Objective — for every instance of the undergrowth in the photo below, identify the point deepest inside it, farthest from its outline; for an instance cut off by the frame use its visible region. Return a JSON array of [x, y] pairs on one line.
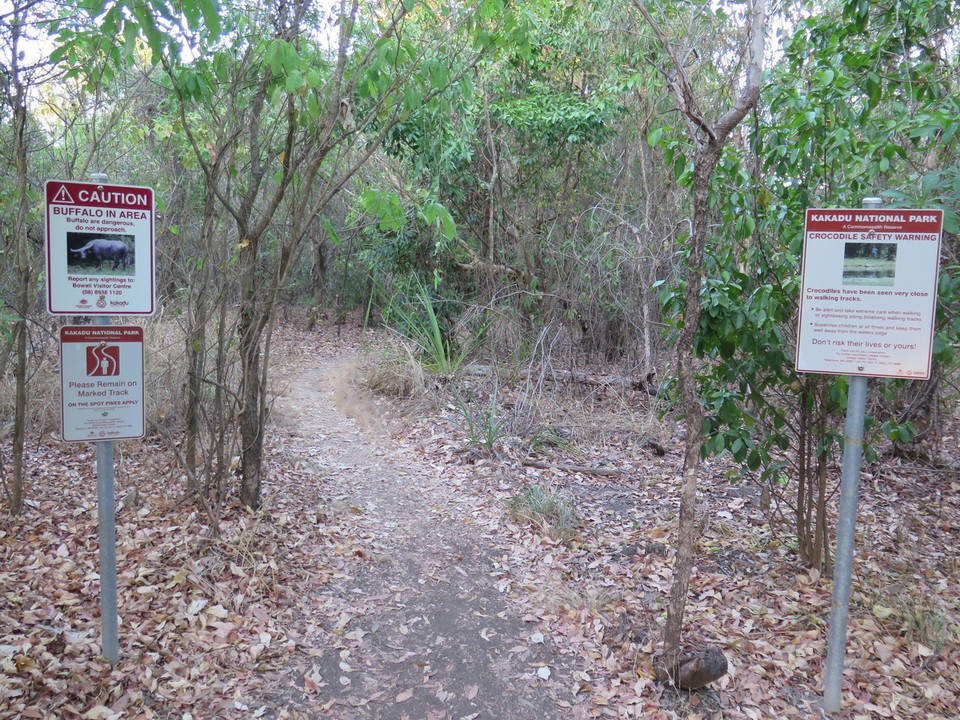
[[550, 510]]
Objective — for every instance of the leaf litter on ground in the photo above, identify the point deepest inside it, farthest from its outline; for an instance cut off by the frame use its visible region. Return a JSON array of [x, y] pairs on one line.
[[211, 626]]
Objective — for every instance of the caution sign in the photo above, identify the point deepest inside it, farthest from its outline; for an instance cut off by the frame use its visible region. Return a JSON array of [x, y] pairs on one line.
[[101, 380], [100, 249], [869, 292]]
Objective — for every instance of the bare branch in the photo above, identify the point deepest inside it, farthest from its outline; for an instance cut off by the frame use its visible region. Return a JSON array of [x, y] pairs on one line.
[[679, 83]]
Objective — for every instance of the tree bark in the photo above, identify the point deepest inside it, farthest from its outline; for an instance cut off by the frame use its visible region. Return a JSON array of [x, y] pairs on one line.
[[710, 139], [23, 268]]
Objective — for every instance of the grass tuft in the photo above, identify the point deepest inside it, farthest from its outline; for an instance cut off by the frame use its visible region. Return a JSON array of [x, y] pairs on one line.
[[550, 510]]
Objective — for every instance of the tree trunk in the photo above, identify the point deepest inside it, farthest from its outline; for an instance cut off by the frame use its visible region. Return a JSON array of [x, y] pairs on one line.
[[710, 139], [692, 410], [251, 428], [23, 273]]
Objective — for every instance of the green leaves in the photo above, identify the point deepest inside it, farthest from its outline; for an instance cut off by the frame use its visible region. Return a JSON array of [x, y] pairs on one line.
[[281, 57], [386, 207], [550, 116], [421, 324], [438, 216], [210, 10], [674, 148], [193, 83], [437, 73], [113, 31], [899, 432]]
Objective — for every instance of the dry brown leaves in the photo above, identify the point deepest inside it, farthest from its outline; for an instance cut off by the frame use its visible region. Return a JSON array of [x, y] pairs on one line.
[[602, 595], [206, 623], [209, 625]]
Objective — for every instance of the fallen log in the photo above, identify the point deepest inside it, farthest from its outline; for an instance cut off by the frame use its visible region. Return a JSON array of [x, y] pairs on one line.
[[566, 467], [626, 382]]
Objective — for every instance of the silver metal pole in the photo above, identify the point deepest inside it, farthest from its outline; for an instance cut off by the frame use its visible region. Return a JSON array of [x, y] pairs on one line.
[[106, 529], [846, 530], [106, 518]]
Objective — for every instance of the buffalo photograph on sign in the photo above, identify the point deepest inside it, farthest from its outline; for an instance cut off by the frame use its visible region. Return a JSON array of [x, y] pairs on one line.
[[96, 253]]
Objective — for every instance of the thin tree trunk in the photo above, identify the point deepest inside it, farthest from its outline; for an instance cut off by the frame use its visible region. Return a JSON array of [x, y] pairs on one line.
[[494, 178], [710, 139], [23, 273], [803, 467], [251, 429], [692, 409], [821, 541]]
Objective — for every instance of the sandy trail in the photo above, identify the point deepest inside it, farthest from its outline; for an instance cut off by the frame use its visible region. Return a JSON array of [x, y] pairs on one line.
[[414, 625]]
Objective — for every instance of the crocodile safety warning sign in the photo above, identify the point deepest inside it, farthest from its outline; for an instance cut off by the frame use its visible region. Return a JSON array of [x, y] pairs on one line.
[[869, 292]]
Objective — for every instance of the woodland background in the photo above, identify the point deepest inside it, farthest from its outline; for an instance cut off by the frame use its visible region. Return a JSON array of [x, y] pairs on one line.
[[510, 187]]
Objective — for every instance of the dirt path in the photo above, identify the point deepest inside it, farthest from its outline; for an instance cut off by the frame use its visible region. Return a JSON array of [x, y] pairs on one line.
[[413, 624]]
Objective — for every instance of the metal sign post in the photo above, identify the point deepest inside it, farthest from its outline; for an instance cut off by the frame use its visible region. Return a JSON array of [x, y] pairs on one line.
[[846, 529], [107, 532], [107, 529], [100, 262]]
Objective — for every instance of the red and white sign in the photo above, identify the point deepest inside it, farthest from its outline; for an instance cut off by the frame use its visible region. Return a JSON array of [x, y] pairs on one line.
[[869, 291], [101, 381], [100, 255]]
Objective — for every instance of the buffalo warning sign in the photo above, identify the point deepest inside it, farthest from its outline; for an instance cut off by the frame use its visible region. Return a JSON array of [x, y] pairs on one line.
[[100, 257]]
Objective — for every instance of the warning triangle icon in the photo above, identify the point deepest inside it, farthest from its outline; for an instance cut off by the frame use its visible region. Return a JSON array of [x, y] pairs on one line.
[[63, 196]]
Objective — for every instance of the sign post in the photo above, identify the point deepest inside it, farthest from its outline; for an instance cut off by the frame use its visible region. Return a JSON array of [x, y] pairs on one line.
[[868, 298], [100, 262]]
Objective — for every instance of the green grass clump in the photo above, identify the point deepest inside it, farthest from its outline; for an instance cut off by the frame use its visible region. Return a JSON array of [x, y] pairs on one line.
[[551, 511]]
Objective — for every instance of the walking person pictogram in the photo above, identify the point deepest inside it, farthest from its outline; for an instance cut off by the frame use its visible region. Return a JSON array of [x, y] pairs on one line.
[[103, 360]]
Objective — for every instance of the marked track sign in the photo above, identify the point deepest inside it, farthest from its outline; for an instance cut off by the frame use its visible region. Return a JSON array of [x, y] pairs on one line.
[[101, 382], [100, 254], [869, 292]]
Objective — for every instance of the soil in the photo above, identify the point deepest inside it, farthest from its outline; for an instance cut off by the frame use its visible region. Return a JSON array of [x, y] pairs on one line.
[[416, 625]]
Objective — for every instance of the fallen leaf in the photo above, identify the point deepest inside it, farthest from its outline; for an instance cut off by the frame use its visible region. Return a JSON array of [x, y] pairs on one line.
[[99, 712], [882, 613]]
